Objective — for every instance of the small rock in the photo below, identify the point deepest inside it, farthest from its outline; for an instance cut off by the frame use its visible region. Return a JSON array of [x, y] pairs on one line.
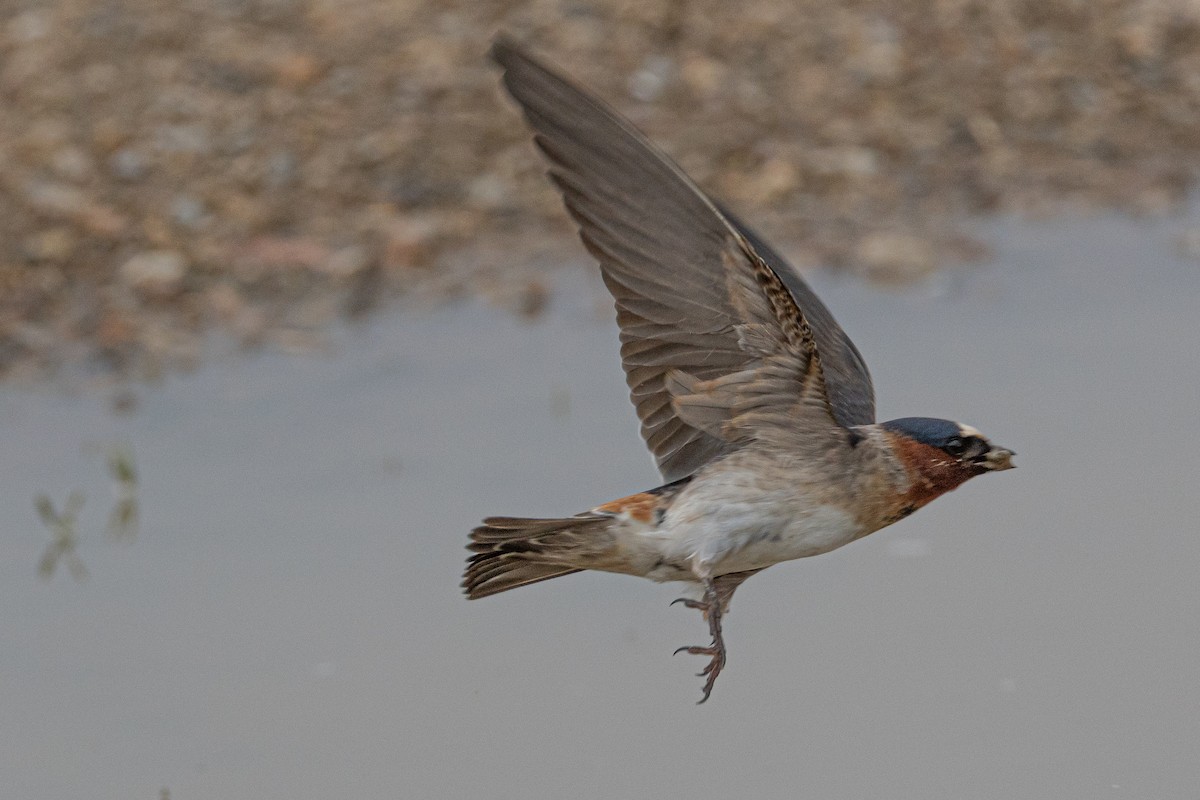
[[109, 133], [878, 55], [849, 161], [52, 244], [345, 262], [128, 165], [55, 199], [188, 211], [157, 273], [296, 70], [703, 75], [156, 230], [250, 326], [281, 252], [488, 191], [408, 240], [225, 301], [29, 26], [1141, 39], [774, 179], [115, 330], [648, 82], [72, 163], [38, 338], [185, 139], [243, 210], [281, 170], [896, 258]]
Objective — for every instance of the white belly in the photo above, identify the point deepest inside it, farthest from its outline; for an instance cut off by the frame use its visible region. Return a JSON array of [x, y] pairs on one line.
[[744, 528], [809, 533]]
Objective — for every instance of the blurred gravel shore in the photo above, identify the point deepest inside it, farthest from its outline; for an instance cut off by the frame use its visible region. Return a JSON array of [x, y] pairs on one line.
[[266, 167]]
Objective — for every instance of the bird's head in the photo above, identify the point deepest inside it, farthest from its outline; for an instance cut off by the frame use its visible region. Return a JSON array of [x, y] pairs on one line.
[[940, 455]]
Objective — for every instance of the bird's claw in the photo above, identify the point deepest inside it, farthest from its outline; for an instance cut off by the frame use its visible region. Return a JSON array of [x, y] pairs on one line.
[[712, 671], [718, 661], [695, 650], [711, 608]]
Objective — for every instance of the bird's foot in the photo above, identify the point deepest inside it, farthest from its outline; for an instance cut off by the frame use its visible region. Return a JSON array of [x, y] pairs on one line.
[[711, 608]]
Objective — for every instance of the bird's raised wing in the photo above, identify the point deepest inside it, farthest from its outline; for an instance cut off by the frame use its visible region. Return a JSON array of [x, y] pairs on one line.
[[721, 341]]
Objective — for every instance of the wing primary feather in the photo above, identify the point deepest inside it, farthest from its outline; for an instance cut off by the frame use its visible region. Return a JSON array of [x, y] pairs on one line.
[[718, 332]]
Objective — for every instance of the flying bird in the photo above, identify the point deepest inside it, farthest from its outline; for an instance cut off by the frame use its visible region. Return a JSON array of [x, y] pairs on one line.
[[756, 405]]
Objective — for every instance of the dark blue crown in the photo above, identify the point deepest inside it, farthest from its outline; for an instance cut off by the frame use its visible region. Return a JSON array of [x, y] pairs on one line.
[[926, 430]]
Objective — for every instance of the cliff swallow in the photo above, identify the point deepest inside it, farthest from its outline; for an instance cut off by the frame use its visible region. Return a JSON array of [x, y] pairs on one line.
[[756, 405]]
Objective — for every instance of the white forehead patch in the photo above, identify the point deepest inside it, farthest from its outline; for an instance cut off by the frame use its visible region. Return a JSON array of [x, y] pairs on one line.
[[967, 431]]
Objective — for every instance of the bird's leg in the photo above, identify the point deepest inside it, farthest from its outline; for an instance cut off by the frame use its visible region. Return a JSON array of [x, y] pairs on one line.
[[718, 593], [726, 585], [712, 608]]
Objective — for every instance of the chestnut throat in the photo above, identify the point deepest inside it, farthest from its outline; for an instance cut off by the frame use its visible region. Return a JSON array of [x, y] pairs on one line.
[[931, 472]]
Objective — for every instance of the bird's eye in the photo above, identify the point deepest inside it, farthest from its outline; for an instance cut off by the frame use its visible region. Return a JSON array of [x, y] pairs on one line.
[[955, 447]]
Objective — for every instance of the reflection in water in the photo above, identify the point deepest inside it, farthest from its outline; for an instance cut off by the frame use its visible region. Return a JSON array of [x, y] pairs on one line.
[[64, 539], [64, 524], [123, 520]]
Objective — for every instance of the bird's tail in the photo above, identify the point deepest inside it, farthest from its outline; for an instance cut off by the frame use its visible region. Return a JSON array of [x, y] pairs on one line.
[[511, 552]]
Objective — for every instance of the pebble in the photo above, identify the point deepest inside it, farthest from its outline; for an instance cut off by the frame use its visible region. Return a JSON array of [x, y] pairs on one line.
[[55, 199], [488, 191], [878, 55], [155, 273], [185, 139], [849, 161], [128, 165], [703, 76], [346, 262], [225, 301], [29, 26], [103, 221], [296, 70], [281, 170], [280, 252], [51, 244], [895, 257], [72, 163], [189, 211], [408, 240], [648, 82]]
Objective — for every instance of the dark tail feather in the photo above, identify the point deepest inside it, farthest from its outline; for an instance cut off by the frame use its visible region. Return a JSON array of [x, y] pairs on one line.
[[511, 552]]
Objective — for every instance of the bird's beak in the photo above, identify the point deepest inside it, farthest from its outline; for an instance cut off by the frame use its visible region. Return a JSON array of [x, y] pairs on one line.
[[997, 459]]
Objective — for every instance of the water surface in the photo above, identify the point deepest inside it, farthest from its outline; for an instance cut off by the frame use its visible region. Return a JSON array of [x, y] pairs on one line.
[[288, 621]]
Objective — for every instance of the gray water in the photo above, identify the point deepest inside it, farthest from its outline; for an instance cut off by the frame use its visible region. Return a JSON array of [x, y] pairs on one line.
[[288, 623]]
